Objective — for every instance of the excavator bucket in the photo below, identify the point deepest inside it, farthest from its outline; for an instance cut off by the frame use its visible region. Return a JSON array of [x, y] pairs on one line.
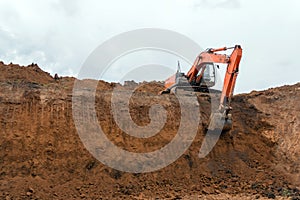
[[219, 122]]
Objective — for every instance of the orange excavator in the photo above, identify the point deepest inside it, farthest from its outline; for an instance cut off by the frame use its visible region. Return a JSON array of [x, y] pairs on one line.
[[201, 77]]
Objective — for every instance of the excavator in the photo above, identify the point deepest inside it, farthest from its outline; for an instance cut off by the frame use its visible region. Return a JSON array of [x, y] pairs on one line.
[[201, 77]]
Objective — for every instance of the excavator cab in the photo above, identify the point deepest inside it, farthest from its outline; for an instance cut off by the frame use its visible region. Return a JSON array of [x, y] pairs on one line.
[[209, 75], [205, 78]]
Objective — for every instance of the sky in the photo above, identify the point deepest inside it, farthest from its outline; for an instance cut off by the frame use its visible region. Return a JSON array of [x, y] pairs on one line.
[[60, 35]]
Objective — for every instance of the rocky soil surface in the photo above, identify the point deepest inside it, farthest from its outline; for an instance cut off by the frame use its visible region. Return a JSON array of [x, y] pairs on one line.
[[42, 156]]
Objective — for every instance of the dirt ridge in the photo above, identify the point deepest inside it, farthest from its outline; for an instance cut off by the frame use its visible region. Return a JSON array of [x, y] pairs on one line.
[[42, 156]]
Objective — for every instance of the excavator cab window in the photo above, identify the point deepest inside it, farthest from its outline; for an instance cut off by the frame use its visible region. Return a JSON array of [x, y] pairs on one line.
[[209, 75]]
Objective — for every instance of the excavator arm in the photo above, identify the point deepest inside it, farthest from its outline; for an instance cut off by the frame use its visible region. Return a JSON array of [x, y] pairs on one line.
[[222, 118], [230, 76]]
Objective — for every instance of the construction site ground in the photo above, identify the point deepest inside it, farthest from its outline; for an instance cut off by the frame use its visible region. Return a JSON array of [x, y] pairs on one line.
[[42, 156]]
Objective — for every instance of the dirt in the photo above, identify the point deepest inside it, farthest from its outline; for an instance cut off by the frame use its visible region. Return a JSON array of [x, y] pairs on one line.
[[42, 156]]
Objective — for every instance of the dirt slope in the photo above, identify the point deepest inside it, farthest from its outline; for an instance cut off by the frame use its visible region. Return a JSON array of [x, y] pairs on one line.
[[42, 156]]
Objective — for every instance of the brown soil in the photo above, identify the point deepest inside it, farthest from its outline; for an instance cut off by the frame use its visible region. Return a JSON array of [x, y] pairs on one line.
[[42, 156]]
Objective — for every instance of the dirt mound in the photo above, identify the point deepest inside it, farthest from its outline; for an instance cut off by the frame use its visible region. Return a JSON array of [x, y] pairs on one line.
[[31, 73], [43, 157]]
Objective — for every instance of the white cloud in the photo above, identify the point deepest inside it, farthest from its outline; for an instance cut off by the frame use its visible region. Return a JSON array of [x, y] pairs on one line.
[[59, 35], [217, 3]]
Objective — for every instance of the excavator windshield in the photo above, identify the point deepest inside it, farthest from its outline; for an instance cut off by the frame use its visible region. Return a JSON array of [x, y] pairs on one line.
[[208, 74]]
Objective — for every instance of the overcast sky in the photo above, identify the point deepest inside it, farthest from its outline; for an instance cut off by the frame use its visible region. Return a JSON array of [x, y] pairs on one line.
[[59, 35]]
